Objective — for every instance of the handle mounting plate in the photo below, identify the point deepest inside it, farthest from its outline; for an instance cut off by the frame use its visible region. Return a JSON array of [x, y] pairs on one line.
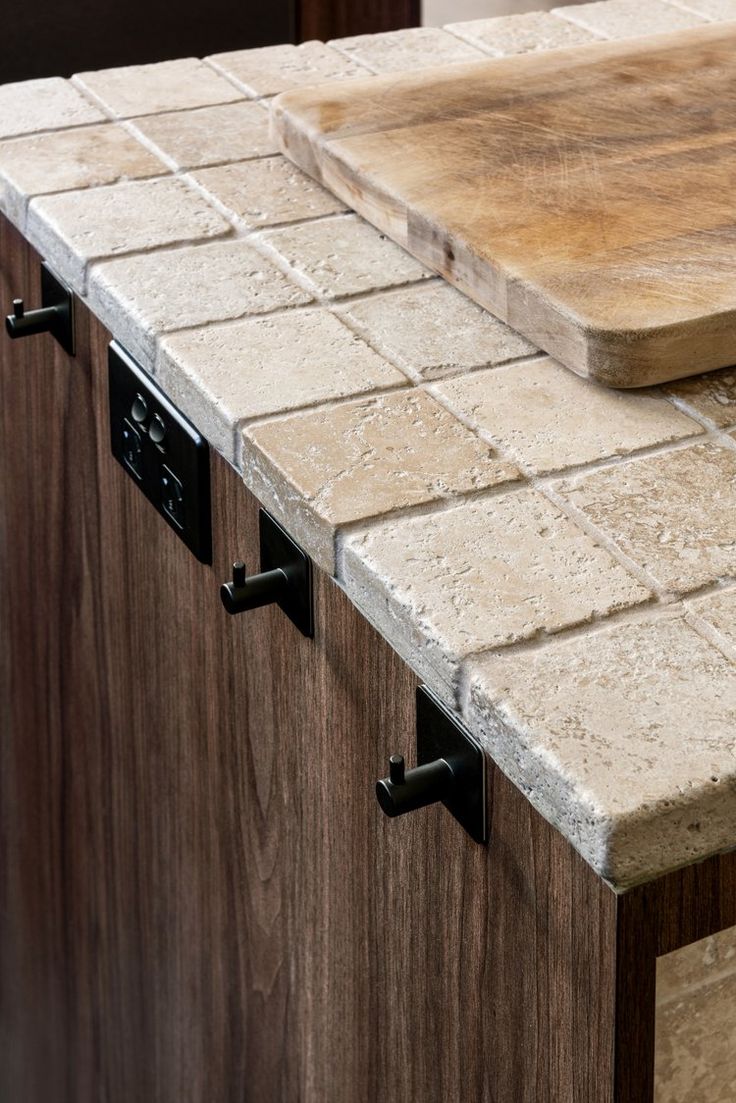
[[278, 550], [441, 735]]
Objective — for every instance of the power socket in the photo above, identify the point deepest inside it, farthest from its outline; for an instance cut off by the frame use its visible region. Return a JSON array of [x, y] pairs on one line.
[[161, 451]]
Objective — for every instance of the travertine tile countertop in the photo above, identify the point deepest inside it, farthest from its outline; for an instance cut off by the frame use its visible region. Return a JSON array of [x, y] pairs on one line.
[[556, 559]]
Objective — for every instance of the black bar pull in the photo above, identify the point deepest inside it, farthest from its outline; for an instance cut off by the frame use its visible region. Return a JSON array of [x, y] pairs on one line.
[[245, 593], [54, 316]]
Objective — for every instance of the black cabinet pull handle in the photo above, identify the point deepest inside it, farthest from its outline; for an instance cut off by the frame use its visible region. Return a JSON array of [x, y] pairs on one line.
[[245, 593], [285, 578], [406, 790], [451, 768], [54, 316]]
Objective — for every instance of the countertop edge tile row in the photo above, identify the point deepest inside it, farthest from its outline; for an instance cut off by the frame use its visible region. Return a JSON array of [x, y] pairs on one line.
[[569, 589]]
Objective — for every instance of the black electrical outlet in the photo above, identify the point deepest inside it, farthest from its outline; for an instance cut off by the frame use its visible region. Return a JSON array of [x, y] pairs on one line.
[[161, 451]]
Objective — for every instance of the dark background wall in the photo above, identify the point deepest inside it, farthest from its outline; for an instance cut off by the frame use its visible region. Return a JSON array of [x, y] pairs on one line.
[[42, 38]]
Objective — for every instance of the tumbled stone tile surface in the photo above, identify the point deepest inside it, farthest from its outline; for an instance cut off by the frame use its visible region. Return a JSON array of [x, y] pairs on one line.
[[482, 575], [549, 418], [719, 611], [226, 374], [712, 395], [696, 964], [522, 34], [84, 157], [139, 297], [162, 86], [623, 738], [321, 470], [210, 135], [431, 329], [695, 1056], [629, 18], [344, 256], [672, 513], [397, 51], [267, 192], [76, 227], [710, 9], [46, 104], [268, 70]]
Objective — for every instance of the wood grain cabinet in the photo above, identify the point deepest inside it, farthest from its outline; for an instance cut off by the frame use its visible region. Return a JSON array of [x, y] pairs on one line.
[[200, 899]]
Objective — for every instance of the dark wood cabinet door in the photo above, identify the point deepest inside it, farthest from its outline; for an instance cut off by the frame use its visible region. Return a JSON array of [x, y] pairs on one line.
[[200, 899]]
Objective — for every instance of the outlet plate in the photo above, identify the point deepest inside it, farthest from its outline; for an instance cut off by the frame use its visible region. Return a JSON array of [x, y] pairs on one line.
[[161, 451]]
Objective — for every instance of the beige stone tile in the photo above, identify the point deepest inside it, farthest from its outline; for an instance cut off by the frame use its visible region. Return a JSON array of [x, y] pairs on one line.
[[719, 611], [267, 192], [672, 513], [712, 395], [324, 469], [695, 1055], [223, 375], [344, 256], [47, 104], [74, 228], [84, 157], [716, 10], [162, 86], [621, 737], [481, 575], [431, 329], [693, 966], [548, 418], [269, 70], [521, 34], [210, 135], [141, 297], [629, 18], [397, 51]]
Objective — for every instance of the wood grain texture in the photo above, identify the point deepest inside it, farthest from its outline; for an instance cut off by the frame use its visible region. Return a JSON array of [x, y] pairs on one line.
[[200, 899], [325, 19], [582, 195]]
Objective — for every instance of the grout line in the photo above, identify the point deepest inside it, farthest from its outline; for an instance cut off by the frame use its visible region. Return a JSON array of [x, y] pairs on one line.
[[679, 6], [568, 17]]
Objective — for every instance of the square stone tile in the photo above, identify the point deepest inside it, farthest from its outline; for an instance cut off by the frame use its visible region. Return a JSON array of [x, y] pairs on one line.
[[72, 229], [138, 298], [672, 513], [320, 470], [398, 51], [629, 18], [484, 574], [267, 192], [223, 375], [548, 418], [210, 135], [344, 256], [521, 34], [695, 1058], [162, 86], [84, 157], [716, 10], [431, 330], [48, 104], [622, 738], [712, 395], [268, 70], [719, 611], [696, 964]]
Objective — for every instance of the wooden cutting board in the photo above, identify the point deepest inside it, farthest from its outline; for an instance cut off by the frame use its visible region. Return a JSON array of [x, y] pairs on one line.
[[586, 196]]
